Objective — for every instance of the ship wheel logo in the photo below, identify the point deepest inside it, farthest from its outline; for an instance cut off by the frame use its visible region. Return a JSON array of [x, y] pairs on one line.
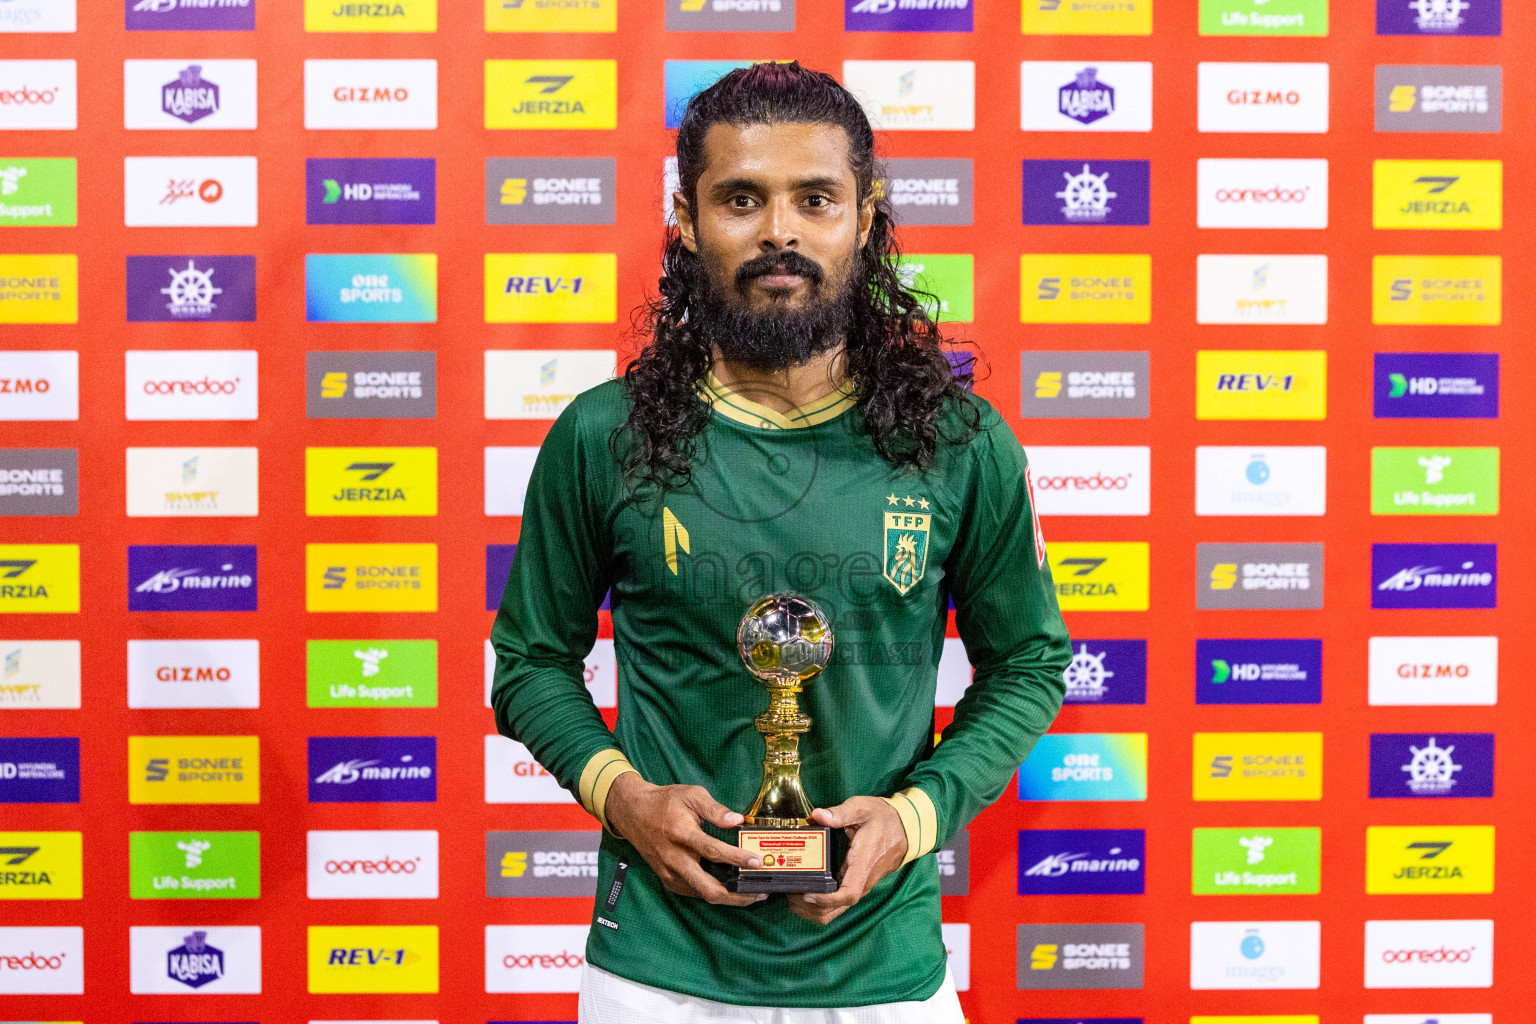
[[1085, 674], [1086, 195], [1431, 770], [191, 291]]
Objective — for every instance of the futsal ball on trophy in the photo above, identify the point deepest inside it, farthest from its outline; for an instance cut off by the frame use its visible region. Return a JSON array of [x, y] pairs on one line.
[[784, 638]]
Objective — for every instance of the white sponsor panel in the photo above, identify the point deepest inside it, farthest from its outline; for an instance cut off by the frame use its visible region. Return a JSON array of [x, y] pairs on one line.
[[39, 385], [534, 957], [512, 776], [1261, 289], [954, 673], [506, 479], [192, 481], [1429, 954], [957, 941], [1434, 671], [38, 95], [194, 673], [377, 865], [1269, 97], [1261, 193], [381, 94], [1085, 480], [42, 961], [37, 16], [189, 191], [194, 959], [1099, 96], [537, 384], [1258, 480], [373, 1022], [178, 95], [39, 674], [208, 384], [600, 671], [1429, 1018], [1254, 954], [914, 95]]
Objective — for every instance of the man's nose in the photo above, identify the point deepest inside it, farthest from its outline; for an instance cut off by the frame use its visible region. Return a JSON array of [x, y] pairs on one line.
[[780, 228]]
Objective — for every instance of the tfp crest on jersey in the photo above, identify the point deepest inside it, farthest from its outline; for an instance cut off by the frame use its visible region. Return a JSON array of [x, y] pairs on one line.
[[906, 543]]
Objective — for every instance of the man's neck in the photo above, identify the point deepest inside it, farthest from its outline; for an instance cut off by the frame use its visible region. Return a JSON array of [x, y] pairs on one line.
[[785, 391]]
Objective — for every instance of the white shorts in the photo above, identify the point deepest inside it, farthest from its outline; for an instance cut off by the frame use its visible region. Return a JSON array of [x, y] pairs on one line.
[[609, 999]]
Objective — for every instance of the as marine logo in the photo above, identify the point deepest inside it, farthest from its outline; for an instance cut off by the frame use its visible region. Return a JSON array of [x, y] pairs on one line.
[[906, 541]]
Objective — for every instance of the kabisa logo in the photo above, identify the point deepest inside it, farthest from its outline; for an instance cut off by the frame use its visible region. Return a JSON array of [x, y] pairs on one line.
[[1258, 766], [190, 15], [1434, 575], [1264, 18], [42, 961], [1455, 859], [1085, 98], [927, 191], [541, 863], [1233, 576], [201, 960], [366, 16], [371, 288], [373, 958], [1063, 956], [1440, 385], [1434, 671], [551, 94], [370, 94], [39, 482], [39, 578], [1446, 195], [1256, 861], [905, 15], [194, 578], [1063, 288], [1087, 192], [1434, 766], [1104, 96], [920, 95], [41, 866], [41, 289], [41, 191], [400, 190], [1258, 671], [194, 865], [1085, 385], [372, 673], [370, 385], [1435, 481], [191, 289], [1107, 672], [195, 962], [549, 190], [191, 97], [1449, 290], [43, 770], [1108, 576], [1439, 17], [1086, 766], [373, 865], [372, 769], [1082, 861], [731, 15], [574, 287], [194, 770], [370, 481], [1439, 98], [1254, 954], [1429, 954]]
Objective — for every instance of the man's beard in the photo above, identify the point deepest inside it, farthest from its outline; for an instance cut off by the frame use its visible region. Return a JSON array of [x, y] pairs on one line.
[[778, 336]]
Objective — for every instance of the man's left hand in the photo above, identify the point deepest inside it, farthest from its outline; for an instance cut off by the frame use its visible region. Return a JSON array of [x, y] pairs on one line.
[[877, 845]]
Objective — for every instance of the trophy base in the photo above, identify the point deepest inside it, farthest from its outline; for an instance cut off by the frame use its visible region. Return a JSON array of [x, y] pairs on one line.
[[794, 860]]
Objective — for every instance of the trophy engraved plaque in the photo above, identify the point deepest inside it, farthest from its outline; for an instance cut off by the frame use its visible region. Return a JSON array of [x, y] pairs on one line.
[[785, 641]]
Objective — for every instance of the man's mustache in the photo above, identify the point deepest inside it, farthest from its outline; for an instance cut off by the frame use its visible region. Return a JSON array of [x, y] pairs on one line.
[[787, 261]]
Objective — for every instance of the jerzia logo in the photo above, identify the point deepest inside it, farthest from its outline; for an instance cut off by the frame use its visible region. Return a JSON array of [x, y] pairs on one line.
[[551, 94], [1429, 859]]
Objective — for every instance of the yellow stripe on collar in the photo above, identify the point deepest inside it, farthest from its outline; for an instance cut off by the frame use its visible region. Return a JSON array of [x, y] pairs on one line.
[[733, 405]]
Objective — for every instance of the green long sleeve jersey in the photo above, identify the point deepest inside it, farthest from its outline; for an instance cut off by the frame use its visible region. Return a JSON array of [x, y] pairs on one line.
[[775, 503]]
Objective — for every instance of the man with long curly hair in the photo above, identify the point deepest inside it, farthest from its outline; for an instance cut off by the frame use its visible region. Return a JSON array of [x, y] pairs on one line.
[[793, 423]]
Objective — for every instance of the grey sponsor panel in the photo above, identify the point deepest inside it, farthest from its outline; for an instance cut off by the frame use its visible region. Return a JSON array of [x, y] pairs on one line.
[[928, 191], [39, 482], [370, 385], [541, 863], [1439, 98], [955, 865], [549, 190], [1085, 385], [1236, 576], [1057, 956], [730, 15]]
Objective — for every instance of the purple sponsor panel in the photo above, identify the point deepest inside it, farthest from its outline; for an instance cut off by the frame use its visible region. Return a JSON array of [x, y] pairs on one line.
[[189, 15], [1437, 385], [192, 577], [498, 566], [1431, 765], [1107, 672], [1087, 192], [1079, 862], [907, 16], [372, 769], [191, 289], [1439, 17], [1434, 575], [39, 770], [370, 191], [1258, 671]]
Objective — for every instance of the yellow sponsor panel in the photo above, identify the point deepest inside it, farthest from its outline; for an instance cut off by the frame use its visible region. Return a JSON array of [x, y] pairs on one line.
[[551, 94], [1429, 859], [1066, 288], [1256, 384], [1438, 194], [1449, 290], [1258, 766], [40, 289], [1101, 577], [360, 16], [1087, 18], [551, 287], [370, 577], [370, 481], [194, 770], [39, 578], [372, 958], [41, 866], [551, 15]]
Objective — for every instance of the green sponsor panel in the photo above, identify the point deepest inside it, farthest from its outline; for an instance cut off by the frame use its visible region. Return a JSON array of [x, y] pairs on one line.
[[1264, 17], [952, 278], [194, 865], [1434, 481], [372, 673], [37, 192], [1257, 861]]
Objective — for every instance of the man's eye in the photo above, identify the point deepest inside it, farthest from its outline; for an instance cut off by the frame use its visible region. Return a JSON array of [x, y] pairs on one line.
[[741, 202], [818, 200]]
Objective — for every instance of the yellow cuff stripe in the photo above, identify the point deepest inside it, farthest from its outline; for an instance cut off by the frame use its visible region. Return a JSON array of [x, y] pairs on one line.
[[919, 818], [597, 778]]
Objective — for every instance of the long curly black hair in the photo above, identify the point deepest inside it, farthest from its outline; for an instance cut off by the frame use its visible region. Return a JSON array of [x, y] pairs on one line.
[[895, 355]]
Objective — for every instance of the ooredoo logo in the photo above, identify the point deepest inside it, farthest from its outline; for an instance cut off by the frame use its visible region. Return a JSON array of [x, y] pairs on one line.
[[41, 961], [1429, 954], [191, 385], [534, 958], [373, 865], [1091, 481], [1262, 193], [37, 94]]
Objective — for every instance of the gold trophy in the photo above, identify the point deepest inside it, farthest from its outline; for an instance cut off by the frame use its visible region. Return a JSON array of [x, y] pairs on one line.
[[785, 641]]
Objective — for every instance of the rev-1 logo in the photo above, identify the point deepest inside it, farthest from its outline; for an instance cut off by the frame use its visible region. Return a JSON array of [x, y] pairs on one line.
[[536, 285]]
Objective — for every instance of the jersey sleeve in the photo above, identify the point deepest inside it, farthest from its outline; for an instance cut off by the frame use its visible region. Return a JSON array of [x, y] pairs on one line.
[[1006, 613], [547, 621]]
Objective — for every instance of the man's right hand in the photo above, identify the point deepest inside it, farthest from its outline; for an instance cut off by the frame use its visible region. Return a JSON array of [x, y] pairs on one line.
[[662, 822]]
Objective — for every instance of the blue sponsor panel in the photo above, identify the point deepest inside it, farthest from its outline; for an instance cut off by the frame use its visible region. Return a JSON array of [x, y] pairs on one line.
[[1434, 575], [191, 289], [192, 577], [1086, 766], [1439, 17], [498, 566], [1107, 672], [39, 770], [1437, 385], [682, 80], [1082, 861], [370, 191], [906, 16], [1258, 671], [372, 769], [1431, 765], [1079, 1020], [1087, 192]]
